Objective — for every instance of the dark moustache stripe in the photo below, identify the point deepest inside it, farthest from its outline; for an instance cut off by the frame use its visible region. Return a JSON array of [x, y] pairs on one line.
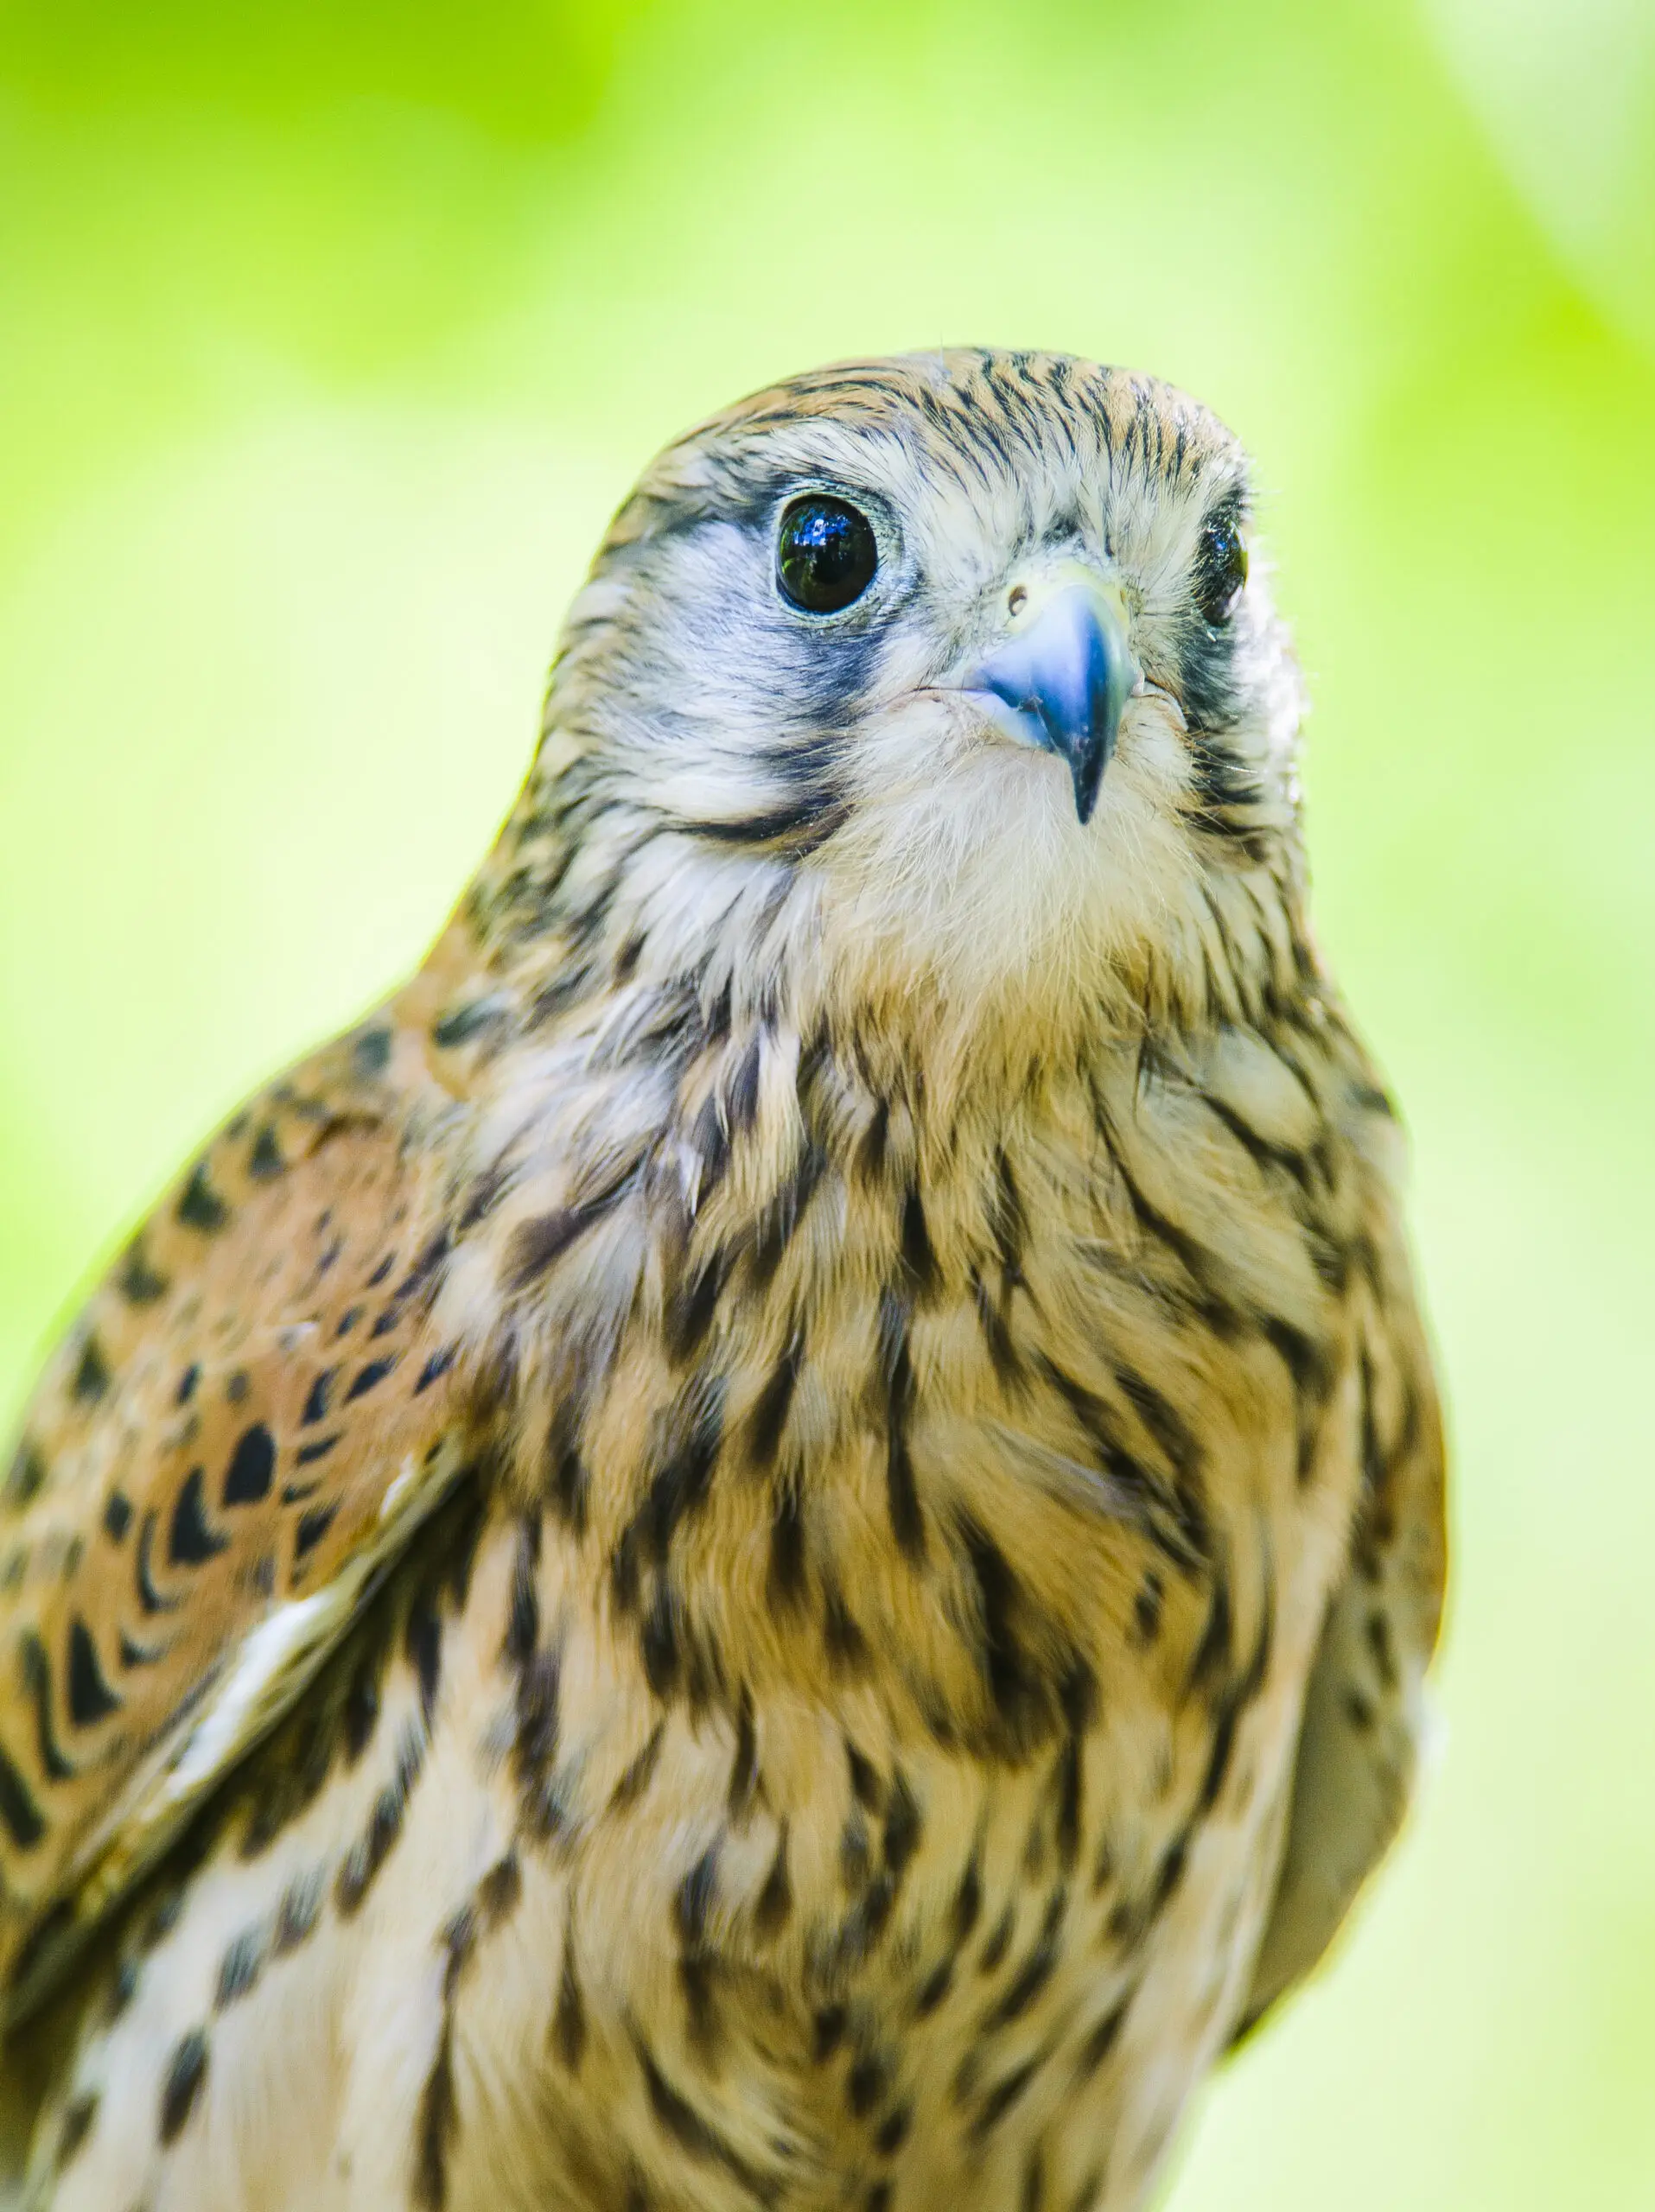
[[803, 827]]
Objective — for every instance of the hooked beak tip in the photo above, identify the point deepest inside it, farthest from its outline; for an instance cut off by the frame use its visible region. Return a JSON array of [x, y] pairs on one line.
[[1062, 684]]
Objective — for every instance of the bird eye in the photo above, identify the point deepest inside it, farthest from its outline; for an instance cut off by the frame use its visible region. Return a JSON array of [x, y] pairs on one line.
[[826, 554], [1220, 568]]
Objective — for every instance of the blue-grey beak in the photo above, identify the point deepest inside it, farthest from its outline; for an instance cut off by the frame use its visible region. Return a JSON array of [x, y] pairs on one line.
[[1060, 682]]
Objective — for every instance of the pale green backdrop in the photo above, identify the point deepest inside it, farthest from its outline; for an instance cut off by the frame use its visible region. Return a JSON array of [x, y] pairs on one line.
[[329, 335]]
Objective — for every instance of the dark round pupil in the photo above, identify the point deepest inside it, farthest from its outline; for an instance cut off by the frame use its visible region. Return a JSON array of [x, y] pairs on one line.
[[826, 553], [1221, 570]]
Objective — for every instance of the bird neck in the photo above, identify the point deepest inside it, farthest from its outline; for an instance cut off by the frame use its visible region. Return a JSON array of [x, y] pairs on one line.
[[592, 921]]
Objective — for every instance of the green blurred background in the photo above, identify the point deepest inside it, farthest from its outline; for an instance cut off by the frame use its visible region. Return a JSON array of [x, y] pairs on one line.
[[330, 335]]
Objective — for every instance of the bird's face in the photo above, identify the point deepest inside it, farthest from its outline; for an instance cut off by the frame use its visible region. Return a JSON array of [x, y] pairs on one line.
[[968, 649]]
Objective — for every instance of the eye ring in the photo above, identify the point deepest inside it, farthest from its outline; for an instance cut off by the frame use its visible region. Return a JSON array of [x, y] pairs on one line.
[[826, 553], [1220, 569]]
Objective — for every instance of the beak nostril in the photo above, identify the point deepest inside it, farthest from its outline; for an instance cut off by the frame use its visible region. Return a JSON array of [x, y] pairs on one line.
[[1018, 601]]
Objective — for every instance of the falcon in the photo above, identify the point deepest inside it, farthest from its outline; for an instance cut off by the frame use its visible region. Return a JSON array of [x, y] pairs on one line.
[[773, 1542]]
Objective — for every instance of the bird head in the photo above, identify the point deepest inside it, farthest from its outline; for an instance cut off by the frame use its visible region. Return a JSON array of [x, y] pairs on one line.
[[936, 679]]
